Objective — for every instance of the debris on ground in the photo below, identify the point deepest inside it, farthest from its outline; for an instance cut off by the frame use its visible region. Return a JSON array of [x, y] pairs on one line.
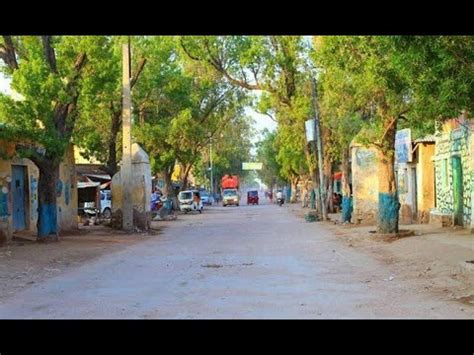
[[214, 266], [170, 217], [311, 217]]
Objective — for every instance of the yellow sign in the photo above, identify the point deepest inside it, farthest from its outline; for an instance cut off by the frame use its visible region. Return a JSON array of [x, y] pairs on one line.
[[252, 166]]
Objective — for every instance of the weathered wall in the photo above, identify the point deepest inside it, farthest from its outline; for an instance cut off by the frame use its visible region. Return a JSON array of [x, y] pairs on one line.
[[66, 191], [7, 150], [453, 141], [415, 205], [141, 191], [425, 181], [365, 184], [406, 192], [472, 181]]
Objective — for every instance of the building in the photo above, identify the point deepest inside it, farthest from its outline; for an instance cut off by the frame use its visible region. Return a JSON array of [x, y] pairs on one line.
[[414, 171], [454, 169], [416, 183], [19, 193], [365, 183]]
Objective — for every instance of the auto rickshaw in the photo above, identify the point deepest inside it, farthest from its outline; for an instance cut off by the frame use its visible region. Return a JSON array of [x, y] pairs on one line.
[[190, 200], [252, 197]]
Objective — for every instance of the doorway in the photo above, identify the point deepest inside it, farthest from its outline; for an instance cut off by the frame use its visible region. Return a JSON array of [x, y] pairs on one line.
[[19, 192], [458, 207], [414, 195]]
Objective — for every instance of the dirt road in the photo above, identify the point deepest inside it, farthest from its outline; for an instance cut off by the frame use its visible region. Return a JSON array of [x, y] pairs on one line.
[[233, 262]]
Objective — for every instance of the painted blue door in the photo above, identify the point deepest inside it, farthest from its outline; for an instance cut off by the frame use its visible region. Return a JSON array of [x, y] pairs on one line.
[[18, 190]]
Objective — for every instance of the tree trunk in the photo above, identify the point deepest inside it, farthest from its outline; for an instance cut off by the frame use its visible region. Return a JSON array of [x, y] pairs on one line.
[[47, 225], [294, 187], [328, 181], [388, 195], [184, 178], [169, 191], [112, 164], [346, 189]]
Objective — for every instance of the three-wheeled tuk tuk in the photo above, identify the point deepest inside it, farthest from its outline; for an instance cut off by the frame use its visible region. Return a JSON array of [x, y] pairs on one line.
[[252, 197]]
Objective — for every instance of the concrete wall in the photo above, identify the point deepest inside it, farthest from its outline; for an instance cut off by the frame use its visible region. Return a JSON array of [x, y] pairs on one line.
[[141, 191], [6, 197], [472, 181], [365, 184], [454, 140], [406, 192], [66, 192], [425, 181], [416, 201]]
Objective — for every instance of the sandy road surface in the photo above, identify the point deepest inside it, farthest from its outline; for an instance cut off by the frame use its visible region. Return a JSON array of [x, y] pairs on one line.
[[233, 262]]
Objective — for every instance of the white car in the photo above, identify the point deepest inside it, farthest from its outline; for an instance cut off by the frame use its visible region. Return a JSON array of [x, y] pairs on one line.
[[206, 198], [230, 197], [105, 205]]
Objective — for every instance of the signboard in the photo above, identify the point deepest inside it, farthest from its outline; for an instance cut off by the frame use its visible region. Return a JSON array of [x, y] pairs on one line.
[[252, 166], [310, 128], [403, 152]]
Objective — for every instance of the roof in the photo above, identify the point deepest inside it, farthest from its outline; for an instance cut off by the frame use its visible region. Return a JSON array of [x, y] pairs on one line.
[[97, 176], [89, 169], [431, 138], [83, 185]]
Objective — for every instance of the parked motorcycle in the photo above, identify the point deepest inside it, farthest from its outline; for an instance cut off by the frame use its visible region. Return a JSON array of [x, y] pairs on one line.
[[156, 205]]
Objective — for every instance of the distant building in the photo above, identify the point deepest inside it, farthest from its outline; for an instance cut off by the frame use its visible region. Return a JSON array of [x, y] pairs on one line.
[[454, 164]]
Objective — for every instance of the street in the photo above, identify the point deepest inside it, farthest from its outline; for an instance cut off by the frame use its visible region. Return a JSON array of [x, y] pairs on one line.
[[233, 262]]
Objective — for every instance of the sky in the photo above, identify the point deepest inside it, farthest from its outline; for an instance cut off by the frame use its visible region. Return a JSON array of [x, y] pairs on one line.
[[4, 85]]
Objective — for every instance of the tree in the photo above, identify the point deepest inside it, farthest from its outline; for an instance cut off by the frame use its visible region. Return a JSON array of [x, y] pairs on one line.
[[368, 67], [275, 65], [393, 81], [440, 70], [230, 148], [181, 106], [98, 127], [340, 116], [267, 153], [48, 73]]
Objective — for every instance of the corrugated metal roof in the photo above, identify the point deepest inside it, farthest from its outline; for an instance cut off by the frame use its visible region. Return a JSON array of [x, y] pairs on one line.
[[83, 185], [426, 139]]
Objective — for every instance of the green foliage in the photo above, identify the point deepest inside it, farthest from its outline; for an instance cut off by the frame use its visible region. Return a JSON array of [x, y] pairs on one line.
[[413, 80], [43, 89], [267, 154], [275, 65]]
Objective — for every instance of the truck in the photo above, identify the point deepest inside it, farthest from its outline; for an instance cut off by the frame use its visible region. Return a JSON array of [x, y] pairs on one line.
[[230, 190]]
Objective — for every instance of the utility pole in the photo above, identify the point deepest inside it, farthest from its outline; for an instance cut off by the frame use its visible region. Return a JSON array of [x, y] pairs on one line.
[[126, 170], [322, 192], [210, 160]]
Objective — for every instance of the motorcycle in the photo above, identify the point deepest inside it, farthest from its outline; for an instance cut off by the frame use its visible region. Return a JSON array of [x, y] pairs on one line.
[[156, 205], [280, 201]]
